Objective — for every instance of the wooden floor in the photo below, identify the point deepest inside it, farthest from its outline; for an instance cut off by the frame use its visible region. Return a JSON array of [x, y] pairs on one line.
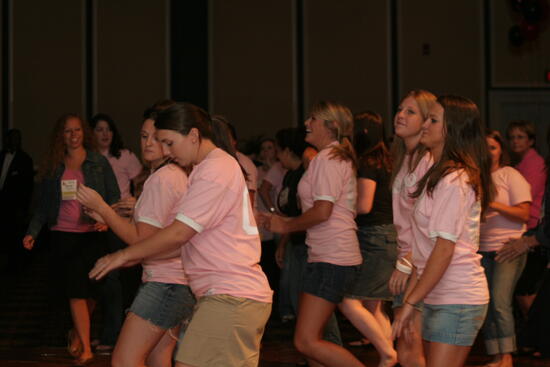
[[33, 325]]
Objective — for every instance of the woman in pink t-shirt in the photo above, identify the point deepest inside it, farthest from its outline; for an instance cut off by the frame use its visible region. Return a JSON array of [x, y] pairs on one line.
[[328, 191], [75, 243], [505, 221], [411, 161], [451, 197], [221, 247], [164, 299]]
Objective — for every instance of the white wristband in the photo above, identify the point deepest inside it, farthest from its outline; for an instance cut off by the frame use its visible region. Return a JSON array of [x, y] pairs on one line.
[[403, 268]]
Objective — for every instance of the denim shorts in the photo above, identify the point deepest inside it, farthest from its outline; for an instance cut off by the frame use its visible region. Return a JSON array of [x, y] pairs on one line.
[[379, 251], [328, 281], [452, 324], [165, 305], [398, 302]]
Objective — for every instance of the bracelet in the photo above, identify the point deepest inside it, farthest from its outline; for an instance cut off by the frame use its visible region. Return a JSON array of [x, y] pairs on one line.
[[411, 304], [407, 269]]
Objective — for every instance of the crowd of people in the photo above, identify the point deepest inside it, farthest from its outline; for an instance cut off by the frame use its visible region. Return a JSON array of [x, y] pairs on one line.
[[443, 224]]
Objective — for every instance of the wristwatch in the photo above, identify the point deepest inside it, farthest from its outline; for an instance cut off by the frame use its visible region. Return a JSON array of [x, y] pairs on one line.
[[272, 210]]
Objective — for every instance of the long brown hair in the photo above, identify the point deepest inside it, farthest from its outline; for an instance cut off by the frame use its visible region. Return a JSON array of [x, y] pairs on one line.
[[57, 149], [425, 101], [464, 148], [368, 141], [339, 121]]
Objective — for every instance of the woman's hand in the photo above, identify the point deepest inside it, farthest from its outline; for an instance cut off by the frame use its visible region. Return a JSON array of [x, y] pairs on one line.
[[28, 242], [109, 263], [402, 323], [125, 207], [398, 282], [101, 227], [89, 198], [514, 248]]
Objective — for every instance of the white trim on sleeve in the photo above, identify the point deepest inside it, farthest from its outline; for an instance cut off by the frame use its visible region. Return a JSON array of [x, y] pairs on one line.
[[152, 222], [325, 198], [190, 222], [444, 235]]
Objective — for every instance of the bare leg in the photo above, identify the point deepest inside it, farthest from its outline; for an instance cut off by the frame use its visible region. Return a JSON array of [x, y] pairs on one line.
[[525, 303], [161, 355], [312, 317], [376, 309], [365, 322], [410, 352], [81, 320], [447, 355], [137, 339]]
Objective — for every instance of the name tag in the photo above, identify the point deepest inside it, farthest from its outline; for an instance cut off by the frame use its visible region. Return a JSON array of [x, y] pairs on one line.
[[68, 189]]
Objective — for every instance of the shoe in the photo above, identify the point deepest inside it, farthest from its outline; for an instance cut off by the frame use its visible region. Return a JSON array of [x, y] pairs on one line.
[[359, 343], [104, 349], [79, 362], [74, 349]]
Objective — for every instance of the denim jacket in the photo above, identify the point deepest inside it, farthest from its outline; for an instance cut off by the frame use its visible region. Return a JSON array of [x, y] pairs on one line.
[[98, 175]]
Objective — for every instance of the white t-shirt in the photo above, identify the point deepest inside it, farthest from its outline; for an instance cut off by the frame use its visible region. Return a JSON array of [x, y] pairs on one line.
[[512, 189]]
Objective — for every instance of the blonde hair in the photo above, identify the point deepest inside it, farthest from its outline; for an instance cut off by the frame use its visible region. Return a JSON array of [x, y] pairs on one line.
[[425, 100], [338, 119]]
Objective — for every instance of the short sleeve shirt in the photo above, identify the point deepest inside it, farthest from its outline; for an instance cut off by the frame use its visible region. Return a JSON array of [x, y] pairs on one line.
[[333, 241], [126, 168], [156, 207], [452, 213], [223, 256]]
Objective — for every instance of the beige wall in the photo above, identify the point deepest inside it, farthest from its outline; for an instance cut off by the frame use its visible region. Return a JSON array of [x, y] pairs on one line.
[[132, 63], [48, 66], [513, 66], [251, 64], [454, 32], [346, 53]]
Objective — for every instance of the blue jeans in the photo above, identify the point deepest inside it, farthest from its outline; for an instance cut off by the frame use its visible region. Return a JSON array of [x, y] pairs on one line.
[[498, 330], [297, 266]]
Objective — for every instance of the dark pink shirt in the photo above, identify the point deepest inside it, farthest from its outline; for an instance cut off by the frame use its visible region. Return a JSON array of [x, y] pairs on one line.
[[533, 169]]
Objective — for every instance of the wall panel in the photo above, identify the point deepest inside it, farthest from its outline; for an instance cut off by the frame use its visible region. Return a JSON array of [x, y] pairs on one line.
[[347, 53], [252, 64], [132, 61], [48, 61]]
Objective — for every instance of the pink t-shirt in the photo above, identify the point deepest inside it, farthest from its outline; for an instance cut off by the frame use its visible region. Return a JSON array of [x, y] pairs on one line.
[[512, 189], [223, 257], [333, 241], [250, 168], [126, 168], [452, 213], [404, 185], [156, 206], [71, 217], [532, 167]]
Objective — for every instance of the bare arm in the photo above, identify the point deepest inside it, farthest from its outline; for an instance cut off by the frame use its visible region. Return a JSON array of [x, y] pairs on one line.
[[318, 213], [437, 264], [163, 241], [517, 213], [366, 188], [264, 191]]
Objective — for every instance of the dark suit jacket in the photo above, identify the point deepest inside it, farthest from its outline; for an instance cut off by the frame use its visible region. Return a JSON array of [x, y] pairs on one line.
[[15, 195]]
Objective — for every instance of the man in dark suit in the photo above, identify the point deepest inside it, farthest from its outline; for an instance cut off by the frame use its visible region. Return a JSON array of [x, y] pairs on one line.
[[16, 185]]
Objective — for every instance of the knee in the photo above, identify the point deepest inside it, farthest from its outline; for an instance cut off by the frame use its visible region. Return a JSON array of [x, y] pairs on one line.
[[303, 344]]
